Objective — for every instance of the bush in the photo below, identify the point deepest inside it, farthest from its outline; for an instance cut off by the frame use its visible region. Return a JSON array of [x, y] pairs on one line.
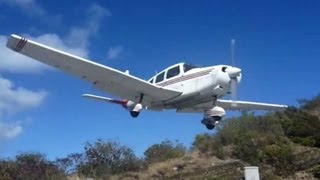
[[279, 156], [203, 142], [301, 127], [30, 166], [316, 172], [104, 158], [310, 105], [164, 151]]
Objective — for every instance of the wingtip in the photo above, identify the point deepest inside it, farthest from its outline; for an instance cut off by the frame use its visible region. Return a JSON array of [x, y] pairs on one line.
[[12, 41], [15, 36], [86, 95]]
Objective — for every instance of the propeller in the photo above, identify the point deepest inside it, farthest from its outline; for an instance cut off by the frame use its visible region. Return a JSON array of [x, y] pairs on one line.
[[234, 73], [233, 42]]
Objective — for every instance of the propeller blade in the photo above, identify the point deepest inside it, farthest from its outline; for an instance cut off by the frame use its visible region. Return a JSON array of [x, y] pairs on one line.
[[233, 42], [234, 91]]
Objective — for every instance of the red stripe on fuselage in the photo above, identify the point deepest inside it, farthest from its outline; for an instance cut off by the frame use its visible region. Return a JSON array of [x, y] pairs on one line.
[[185, 78]]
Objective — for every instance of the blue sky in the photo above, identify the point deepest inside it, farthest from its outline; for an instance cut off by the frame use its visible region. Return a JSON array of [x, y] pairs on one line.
[[41, 109]]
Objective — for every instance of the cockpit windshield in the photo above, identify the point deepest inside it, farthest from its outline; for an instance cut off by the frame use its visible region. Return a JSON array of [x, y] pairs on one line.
[[188, 67]]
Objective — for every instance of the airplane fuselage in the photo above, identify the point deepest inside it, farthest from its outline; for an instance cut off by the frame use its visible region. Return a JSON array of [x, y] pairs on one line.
[[197, 84]]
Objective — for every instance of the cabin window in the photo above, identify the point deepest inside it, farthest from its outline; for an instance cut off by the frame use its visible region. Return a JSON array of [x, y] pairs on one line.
[[160, 77], [188, 67], [151, 81], [173, 72]]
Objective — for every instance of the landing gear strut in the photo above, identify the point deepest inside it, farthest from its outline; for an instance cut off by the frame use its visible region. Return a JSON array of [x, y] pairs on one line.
[[136, 108]]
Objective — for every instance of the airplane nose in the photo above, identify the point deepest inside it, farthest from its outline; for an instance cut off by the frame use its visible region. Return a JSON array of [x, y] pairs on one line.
[[233, 72]]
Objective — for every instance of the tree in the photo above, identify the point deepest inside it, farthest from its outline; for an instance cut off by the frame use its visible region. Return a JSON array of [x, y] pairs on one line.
[[104, 158], [164, 151], [301, 127], [30, 166]]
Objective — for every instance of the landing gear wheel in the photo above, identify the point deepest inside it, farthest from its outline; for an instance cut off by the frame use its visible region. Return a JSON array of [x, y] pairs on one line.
[[216, 118], [210, 126], [134, 114]]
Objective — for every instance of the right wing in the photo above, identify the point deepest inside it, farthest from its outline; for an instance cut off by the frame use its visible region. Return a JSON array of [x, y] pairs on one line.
[[247, 105], [234, 105], [110, 80]]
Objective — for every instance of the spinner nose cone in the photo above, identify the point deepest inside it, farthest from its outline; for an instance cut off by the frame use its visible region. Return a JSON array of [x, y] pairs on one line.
[[233, 72]]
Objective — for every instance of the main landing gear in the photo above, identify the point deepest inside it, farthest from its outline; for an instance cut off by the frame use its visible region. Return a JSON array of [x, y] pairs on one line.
[[135, 109], [134, 114]]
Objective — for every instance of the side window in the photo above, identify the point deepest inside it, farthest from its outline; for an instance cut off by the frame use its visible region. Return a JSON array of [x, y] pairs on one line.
[[151, 81], [188, 67], [160, 77], [173, 72]]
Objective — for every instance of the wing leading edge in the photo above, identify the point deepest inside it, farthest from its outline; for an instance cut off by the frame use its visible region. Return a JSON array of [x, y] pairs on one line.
[[110, 80]]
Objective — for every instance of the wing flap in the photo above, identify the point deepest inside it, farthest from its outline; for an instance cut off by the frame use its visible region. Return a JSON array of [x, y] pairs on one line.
[[103, 77]]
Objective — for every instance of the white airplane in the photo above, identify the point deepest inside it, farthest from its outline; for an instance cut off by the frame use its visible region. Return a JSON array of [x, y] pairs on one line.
[[183, 87]]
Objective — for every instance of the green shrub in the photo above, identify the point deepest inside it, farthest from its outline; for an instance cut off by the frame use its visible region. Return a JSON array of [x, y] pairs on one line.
[[30, 166], [203, 142], [301, 127], [316, 172], [164, 151], [279, 156]]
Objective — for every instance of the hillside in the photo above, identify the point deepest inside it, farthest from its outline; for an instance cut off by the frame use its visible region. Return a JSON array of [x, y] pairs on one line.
[[285, 145]]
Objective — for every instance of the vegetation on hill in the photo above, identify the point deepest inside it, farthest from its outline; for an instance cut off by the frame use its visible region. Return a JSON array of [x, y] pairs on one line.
[[164, 151], [280, 143]]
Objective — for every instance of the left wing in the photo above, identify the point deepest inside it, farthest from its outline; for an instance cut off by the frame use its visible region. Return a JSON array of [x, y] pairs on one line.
[[234, 105], [105, 78]]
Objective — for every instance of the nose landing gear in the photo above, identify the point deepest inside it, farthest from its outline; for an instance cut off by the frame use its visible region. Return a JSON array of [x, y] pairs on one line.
[[211, 121], [212, 117]]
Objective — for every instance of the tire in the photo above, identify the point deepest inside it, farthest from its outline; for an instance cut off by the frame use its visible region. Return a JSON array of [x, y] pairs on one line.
[[216, 118], [134, 114], [210, 126]]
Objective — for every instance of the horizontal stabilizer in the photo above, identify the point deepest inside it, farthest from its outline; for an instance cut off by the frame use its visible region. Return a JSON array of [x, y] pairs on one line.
[[106, 99]]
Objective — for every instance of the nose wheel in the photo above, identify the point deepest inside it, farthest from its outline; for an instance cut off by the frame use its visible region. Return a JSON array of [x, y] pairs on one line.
[[211, 121], [210, 126]]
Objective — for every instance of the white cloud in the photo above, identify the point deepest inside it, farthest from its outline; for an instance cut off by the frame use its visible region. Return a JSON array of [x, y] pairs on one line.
[[57, 42], [114, 52], [81, 35], [14, 100], [75, 42], [9, 130], [95, 14], [29, 6]]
